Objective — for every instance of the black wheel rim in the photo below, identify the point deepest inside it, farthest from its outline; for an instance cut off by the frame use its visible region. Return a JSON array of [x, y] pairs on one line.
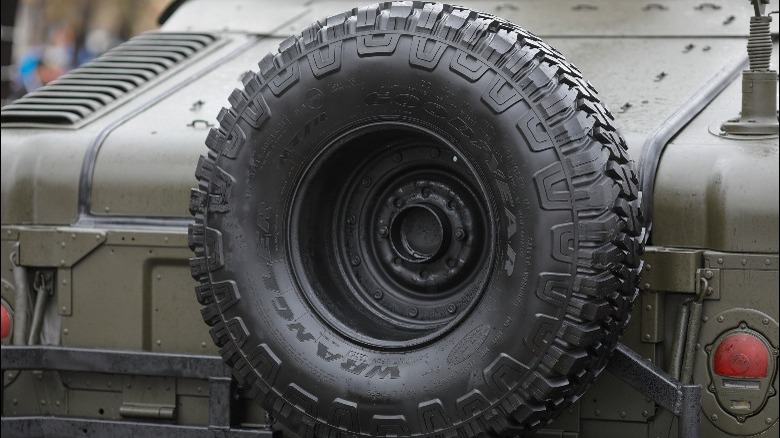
[[392, 237]]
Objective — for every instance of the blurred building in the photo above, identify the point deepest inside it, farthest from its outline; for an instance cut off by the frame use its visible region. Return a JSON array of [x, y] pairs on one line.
[[41, 39]]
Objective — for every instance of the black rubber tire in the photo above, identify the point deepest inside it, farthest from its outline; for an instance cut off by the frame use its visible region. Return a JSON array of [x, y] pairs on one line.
[[564, 231]]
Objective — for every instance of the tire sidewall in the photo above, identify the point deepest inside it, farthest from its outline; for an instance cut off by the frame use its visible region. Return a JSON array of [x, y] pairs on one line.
[[509, 330]]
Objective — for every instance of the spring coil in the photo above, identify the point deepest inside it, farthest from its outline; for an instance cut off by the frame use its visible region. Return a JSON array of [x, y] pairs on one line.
[[759, 43]]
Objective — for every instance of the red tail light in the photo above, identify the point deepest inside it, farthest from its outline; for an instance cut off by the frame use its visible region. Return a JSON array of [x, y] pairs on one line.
[[741, 355], [5, 322]]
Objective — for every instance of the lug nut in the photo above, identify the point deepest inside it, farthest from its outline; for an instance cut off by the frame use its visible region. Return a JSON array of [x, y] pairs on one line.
[[460, 234], [378, 295], [435, 152], [351, 219], [399, 202], [397, 157], [355, 261], [413, 312], [452, 308], [383, 231], [425, 192], [366, 182]]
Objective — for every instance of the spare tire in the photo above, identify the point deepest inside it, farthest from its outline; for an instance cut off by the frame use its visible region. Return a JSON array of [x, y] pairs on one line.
[[415, 219]]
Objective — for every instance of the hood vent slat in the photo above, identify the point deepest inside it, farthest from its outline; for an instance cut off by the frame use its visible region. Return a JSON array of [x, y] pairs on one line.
[[88, 88]]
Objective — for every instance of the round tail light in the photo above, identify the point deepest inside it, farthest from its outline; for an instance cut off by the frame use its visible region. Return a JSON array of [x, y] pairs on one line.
[[741, 355]]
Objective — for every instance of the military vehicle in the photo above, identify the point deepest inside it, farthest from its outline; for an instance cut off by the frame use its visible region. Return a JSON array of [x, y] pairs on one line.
[[410, 219]]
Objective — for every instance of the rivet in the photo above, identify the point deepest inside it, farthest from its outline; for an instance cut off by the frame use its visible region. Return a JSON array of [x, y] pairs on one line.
[[383, 231], [708, 275], [721, 318], [203, 344], [64, 331], [714, 417], [452, 308], [598, 412], [378, 295], [768, 421], [647, 336], [64, 281], [43, 402], [648, 267], [413, 312], [710, 290], [744, 262], [705, 318], [743, 326], [107, 208], [712, 388], [767, 262], [62, 262], [199, 389], [765, 321], [647, 285], [649, 307], [97, 236], [62, 244], [15, 402], [645, 414], [159, 342], [57, 403], [622, 414], [355, 261]]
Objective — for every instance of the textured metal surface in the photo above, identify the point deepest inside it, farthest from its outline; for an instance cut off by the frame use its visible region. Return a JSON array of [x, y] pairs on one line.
[[682, 400], [78, 427], [718, 193], [111, 361]]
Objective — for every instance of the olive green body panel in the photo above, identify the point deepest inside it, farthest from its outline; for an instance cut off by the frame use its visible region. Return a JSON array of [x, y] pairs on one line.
[[718, 193], [103, 207], [40, 172]]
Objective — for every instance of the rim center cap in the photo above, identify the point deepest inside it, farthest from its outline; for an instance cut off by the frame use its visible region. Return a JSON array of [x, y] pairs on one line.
[[418, 233]]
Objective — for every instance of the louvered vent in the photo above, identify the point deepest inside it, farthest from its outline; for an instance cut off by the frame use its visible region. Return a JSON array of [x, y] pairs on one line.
[[84, 90]]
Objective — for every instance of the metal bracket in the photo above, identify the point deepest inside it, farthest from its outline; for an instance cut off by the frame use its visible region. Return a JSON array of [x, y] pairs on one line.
[[129, 363], [684, 401]]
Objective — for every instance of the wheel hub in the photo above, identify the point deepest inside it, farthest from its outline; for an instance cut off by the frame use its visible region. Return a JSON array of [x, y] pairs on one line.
[[411, 238]]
